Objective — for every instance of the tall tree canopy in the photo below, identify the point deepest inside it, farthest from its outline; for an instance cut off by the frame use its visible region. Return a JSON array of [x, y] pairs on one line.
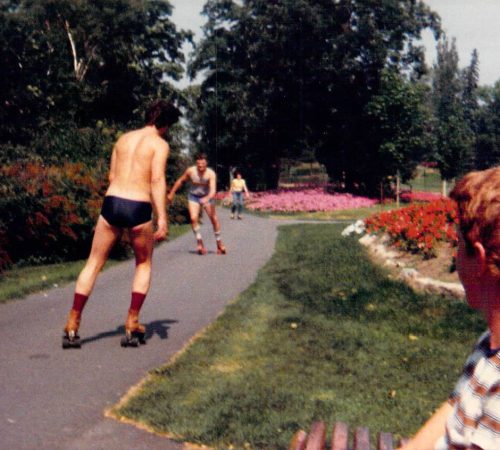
[[71, 63], [290, 76], [488, 127], [454, 137]]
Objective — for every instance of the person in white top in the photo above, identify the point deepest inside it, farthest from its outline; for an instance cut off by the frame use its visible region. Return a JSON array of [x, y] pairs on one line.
[[201, 194]]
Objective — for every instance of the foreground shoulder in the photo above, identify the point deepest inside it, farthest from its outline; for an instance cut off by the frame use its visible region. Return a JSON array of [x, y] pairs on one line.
[[159, 144], [211, 173]]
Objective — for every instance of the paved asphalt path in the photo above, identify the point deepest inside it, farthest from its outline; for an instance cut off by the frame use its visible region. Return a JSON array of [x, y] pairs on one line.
[[54, 399]]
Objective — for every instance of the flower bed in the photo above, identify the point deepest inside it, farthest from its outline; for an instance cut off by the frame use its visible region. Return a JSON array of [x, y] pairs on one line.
[[420, 196], [418, 228], [305, 200]]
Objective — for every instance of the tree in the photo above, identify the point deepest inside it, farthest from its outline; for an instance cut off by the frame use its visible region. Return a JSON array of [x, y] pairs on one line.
[[454, 137], [287, 76], [470, 80], [399, 128], [67, 64], [488, 127]]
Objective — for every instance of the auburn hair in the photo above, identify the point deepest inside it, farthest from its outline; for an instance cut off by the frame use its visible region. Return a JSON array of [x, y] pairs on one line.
[[477, 196]]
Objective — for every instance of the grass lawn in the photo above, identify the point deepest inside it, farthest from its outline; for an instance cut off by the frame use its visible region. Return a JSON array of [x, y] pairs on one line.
[[21, 281], [427, 180], [321, 334]]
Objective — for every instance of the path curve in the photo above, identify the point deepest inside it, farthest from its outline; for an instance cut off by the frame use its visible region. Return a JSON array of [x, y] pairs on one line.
[[55, 399]]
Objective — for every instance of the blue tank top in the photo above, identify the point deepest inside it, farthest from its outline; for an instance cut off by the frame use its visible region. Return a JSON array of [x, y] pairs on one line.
[[199, 186]]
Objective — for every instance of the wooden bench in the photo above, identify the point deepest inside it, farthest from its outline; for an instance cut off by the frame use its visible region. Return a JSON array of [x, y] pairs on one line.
[[316, 439]]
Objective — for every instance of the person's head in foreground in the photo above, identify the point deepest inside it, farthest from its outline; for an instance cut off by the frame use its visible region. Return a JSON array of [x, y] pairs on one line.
[[470, 419], [478, 259], [162, 115]]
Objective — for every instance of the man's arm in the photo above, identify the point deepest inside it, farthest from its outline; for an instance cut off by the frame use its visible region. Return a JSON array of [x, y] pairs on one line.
[[432, 430], [159, 187], [183, 178]]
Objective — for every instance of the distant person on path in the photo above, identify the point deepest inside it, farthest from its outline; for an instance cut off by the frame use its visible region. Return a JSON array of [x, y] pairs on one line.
[[137, 187], [201, 194], [237, 189], [470, 419]]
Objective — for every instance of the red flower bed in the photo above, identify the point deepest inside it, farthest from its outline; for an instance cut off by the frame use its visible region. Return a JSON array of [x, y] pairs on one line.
[[48, 211], [420, 196], [418, 228]]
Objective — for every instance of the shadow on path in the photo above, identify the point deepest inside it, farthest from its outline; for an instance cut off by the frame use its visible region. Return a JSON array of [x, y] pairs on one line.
[[158, 327]]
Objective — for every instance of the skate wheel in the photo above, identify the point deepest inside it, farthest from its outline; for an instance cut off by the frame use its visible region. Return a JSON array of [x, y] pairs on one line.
[[71, 343], [129, 342]]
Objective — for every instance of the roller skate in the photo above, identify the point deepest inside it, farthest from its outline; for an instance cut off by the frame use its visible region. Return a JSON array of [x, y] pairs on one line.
[[200, 248], [71, 339], [221, 250], [134, 331]]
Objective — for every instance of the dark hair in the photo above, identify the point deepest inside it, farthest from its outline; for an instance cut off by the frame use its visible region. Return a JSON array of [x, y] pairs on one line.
[[162, 114], [236, 173], [200, 155]]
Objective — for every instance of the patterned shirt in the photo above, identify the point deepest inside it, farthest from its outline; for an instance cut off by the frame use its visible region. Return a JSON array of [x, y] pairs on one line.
[[476, 402]]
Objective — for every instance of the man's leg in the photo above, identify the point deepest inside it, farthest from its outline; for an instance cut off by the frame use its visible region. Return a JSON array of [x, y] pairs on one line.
[[194, 213], [104, 238], [142, 241], [233, 206], [240, 204], [210, 209]]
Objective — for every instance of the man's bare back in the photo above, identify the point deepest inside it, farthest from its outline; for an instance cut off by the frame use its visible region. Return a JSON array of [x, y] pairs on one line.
[[137, 188], [139, 158]]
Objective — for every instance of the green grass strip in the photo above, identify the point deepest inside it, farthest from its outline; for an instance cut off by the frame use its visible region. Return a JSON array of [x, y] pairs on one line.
[[321, 334], [21, 281]]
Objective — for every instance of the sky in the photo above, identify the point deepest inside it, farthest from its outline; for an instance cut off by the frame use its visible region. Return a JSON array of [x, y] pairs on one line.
[[473, 23]]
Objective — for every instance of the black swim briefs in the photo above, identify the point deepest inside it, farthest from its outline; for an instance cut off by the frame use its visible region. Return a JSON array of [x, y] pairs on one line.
[[124, 213]]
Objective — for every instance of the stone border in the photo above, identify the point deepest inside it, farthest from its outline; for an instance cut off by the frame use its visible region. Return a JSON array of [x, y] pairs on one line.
[[378, 247]]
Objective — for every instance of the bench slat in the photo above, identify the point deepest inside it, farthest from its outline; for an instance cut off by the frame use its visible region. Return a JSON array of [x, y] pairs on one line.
[[299, 440], [384, 441], [317, 436], [362, 439], [340, 437]]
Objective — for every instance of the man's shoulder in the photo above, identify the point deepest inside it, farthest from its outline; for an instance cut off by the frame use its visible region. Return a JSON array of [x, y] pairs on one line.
[[157, 142]]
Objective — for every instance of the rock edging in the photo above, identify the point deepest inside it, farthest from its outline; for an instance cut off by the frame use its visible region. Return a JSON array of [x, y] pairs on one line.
[[378, 247]]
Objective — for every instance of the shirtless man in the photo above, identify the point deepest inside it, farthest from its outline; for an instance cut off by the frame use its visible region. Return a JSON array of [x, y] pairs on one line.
[[137, 188], [201, 194]]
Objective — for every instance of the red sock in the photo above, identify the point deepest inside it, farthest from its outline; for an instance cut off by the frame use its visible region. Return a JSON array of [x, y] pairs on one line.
[[137, 301], [79, 302]]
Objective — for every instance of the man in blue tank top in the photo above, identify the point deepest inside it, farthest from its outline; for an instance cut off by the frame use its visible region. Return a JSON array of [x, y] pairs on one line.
[[201, 194]]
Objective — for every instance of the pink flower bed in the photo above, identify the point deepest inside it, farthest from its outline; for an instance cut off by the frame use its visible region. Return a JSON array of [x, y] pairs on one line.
[[305, 200]]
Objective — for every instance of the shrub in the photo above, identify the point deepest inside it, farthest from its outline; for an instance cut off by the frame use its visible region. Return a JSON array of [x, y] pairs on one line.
[[177, 210], [48, 212]]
